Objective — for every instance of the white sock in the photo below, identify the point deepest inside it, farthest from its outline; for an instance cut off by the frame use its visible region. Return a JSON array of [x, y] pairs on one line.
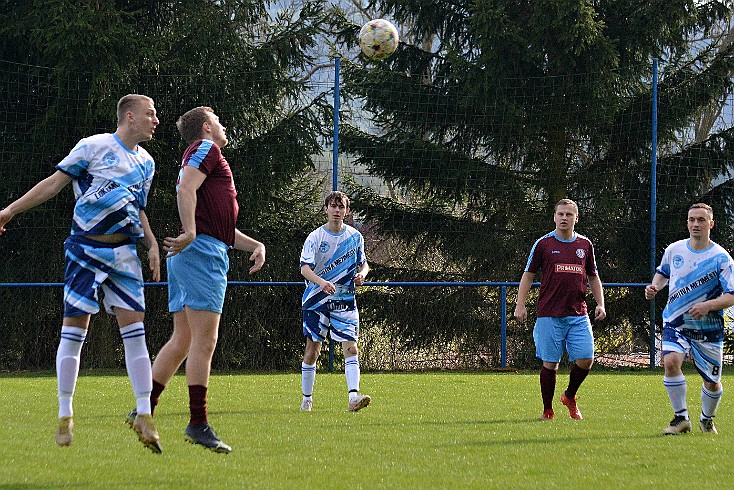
[[351, 371], [67, 366], [710, 402], [308, 379], [677, 389], [138, 364]]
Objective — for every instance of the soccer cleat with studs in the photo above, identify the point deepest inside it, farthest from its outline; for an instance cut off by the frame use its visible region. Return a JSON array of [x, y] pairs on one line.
[[570, 403], [547, 415], [65, 432], [204, 435], [145, 428], [359, 402], [707, 426], [306, 405], [678, 425]]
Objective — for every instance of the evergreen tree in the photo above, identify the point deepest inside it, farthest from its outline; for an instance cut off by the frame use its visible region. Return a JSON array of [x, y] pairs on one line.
[[64, 66], [505, 107]]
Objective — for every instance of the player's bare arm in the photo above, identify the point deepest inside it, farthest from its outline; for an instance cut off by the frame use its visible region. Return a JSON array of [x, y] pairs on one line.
[[658, 283], [521, 311], [360, 276], [248, 244], [326, 286], [597, 290], [191, 180], [154, 256], [38, 194], [704, 307]]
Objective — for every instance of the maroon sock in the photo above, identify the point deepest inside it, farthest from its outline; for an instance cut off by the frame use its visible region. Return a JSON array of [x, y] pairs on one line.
[[578, 375], [197, 404], [155, 395], [547, 386]]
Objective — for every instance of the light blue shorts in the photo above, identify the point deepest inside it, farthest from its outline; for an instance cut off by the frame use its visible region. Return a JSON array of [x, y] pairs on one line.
[[553, 334], [341, 325], [106, 272], [197, 277]]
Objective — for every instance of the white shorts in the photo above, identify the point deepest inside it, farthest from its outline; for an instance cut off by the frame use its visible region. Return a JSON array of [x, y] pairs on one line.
[[708, 355]]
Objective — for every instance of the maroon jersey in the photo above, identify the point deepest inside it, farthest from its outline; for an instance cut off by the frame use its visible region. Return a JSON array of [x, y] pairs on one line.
[[564, 265], [216, 198]]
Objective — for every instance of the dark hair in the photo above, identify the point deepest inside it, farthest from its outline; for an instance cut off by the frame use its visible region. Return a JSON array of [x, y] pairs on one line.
[[338, 197], [190, 124]]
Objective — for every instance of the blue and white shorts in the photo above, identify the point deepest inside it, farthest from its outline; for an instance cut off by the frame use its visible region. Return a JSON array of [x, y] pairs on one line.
[[706, 349], [197, 277], [553, 334], [341, 324], [110, 272]]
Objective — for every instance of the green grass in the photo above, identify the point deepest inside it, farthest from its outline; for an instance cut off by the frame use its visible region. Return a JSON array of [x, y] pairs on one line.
[[434, 430]]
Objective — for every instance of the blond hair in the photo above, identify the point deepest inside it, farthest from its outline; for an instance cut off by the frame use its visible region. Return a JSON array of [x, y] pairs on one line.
[[128, 103], [566, 202], [704, 206]]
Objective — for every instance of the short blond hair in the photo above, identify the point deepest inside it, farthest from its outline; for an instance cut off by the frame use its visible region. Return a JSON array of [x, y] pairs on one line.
[[128, 103], [704, 206], [566, 202]]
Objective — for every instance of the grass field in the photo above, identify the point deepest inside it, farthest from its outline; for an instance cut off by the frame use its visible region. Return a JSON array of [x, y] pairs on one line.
[[432, 430]]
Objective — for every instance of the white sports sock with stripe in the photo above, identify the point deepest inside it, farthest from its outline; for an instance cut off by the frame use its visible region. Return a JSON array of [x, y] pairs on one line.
[[137, 362], [68, 357]]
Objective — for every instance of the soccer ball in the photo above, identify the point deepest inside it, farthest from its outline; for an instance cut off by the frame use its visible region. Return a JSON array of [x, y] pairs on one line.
[[378, 39]]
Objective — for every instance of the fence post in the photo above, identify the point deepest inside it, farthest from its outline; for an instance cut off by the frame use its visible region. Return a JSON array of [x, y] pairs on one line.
[[335, 165], [653, 200], [503, 326]]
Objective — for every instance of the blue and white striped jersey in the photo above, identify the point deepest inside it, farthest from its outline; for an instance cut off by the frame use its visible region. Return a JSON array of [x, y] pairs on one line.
[[111, 185], [694, 277], [336, 258]]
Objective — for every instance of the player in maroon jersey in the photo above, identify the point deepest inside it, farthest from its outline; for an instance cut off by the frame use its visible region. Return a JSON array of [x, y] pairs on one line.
[[198, 264], [566, 262]]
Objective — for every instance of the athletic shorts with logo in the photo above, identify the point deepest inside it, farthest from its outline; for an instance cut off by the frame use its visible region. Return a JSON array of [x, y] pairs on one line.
[[106, 272]]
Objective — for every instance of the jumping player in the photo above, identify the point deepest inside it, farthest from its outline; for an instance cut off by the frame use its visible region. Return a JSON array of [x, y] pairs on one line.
[[566, 261], [333, 263], [700, 278], [111, 177]]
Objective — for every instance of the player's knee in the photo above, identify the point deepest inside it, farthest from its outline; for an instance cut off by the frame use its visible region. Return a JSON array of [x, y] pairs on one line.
[[350, 349], [585, 363]]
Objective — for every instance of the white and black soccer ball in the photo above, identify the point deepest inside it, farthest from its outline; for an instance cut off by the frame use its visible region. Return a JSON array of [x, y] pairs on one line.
[[378, 39]]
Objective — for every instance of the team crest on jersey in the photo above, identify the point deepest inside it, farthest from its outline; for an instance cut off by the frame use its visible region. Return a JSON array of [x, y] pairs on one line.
[[324, 247], [678, 261], [110, 160], [580, 253]]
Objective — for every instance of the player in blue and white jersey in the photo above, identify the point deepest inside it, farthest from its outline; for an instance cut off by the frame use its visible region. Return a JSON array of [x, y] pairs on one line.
[[334, 263], [111, 177], [700, 278]]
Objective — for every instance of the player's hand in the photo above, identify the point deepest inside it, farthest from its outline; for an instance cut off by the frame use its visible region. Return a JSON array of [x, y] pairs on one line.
[[600, 313], [699, 310], [258, 257], [650, 291], [154, 262], [359, 279], [173, 246], [5, 216], [521, 313], [328, 287]]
